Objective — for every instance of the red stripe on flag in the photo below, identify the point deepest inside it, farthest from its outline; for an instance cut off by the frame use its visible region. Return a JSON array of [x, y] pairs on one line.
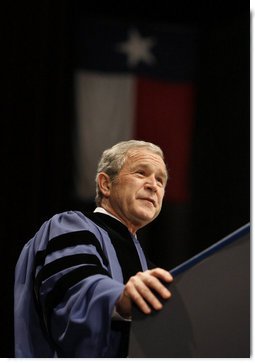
[[164, 116]]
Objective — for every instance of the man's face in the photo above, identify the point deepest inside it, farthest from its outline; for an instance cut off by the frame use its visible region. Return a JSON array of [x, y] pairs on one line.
[[136, 194]]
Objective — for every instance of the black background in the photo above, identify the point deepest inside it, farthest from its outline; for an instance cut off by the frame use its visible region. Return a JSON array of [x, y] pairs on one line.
[[38, 118]]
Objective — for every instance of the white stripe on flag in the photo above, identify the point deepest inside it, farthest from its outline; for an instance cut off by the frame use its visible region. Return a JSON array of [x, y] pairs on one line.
[[105, 115]]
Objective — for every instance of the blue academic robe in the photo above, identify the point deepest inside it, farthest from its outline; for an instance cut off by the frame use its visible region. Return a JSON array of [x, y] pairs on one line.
[[67, 280]]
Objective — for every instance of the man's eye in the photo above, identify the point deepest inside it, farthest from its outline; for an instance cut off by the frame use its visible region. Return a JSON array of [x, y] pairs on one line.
[[140, 172], [160, 181]]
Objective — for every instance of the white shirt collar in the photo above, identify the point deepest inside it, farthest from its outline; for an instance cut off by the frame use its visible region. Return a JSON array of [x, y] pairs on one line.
[[102, 210]]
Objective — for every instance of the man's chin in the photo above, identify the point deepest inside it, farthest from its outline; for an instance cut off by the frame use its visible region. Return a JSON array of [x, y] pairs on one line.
[[147, 214]]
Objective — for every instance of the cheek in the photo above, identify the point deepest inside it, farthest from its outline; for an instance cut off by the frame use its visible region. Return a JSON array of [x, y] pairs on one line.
[[161, 196], [126, 194]]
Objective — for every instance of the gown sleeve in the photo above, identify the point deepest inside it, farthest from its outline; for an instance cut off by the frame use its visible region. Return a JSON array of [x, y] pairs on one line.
[[74, 290]]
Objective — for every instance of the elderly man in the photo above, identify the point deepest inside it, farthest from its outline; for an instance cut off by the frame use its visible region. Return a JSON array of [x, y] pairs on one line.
[[77, 278]]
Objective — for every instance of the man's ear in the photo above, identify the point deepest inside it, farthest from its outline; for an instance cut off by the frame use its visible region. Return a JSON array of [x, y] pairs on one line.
[[104, 184]]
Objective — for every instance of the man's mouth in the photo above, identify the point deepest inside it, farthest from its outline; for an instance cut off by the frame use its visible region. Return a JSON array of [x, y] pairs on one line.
[[151, 200]]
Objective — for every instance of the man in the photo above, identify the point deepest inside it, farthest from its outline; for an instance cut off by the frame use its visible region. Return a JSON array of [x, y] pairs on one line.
[[77, 278]]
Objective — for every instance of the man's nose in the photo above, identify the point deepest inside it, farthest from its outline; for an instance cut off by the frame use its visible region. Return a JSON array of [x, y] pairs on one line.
[[151, 183]]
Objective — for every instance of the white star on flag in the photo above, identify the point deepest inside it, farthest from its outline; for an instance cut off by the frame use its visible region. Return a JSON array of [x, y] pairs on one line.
[[137, 49]]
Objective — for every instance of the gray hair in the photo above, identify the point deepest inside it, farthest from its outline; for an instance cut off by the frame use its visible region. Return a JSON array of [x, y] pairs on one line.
[[113, 159]]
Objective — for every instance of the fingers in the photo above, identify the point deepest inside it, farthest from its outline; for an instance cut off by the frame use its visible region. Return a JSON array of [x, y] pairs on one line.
[[142, 301], [161, 273], [141, 289]]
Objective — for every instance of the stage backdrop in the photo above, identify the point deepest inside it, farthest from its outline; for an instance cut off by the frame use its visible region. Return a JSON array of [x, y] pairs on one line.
[[134, 80]]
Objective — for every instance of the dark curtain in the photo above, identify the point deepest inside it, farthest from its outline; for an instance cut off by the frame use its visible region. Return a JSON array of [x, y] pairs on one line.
[[36, 134], [221, 157], [38, 122]]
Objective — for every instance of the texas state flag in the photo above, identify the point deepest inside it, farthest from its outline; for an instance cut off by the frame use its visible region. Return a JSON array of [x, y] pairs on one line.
[[134, 81]]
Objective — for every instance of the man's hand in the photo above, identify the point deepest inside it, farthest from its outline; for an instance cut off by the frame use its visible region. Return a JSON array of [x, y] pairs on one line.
[[141, 290]]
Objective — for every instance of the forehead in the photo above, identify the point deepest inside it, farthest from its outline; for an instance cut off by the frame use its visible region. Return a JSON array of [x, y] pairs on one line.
[[144, 157]]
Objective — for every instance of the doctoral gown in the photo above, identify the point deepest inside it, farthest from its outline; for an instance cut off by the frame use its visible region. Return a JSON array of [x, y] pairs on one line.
[[67, 280]]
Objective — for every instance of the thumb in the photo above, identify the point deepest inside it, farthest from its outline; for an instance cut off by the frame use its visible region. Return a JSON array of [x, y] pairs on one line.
[[124, 305]]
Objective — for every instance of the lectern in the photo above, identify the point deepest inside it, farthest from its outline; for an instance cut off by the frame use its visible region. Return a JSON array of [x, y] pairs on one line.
[[208, 315]]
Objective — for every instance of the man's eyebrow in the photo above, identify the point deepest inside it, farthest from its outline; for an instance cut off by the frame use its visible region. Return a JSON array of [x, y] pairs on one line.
[[147, 166], [140, 165]]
